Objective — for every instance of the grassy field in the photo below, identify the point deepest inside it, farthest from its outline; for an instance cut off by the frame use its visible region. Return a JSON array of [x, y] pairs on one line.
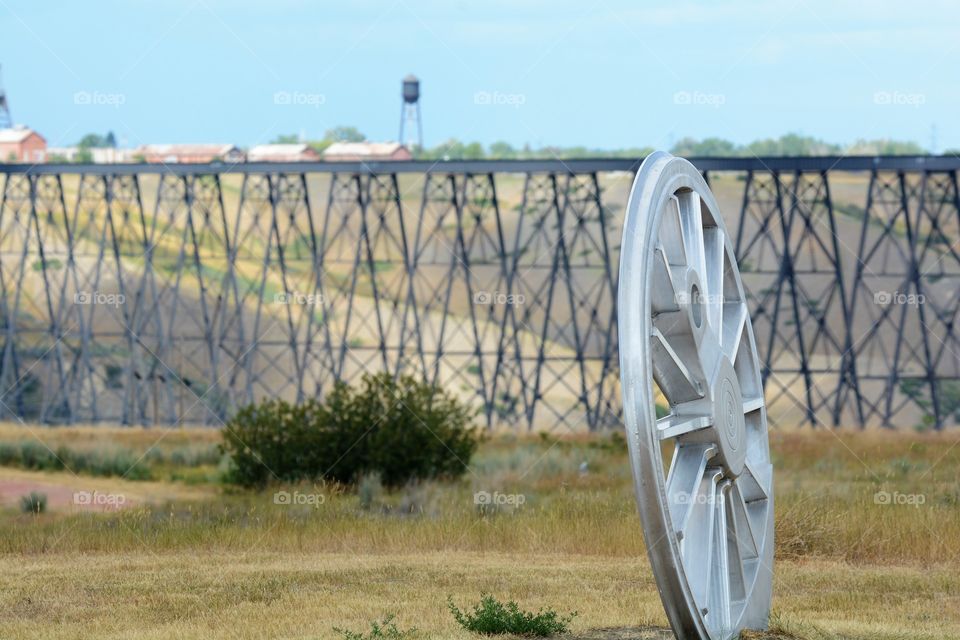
[[868, 539]]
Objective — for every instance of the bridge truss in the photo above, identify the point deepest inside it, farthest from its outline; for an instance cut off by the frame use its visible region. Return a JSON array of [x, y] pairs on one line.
[[153, 294]]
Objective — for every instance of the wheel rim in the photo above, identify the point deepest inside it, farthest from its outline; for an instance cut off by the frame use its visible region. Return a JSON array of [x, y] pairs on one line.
[[686, 340]]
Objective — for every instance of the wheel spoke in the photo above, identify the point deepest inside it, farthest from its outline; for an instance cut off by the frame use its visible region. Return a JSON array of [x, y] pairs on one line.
[[663, 296], [734, 321], [673, 426], [683, 482], [752, 404], [697, 538], [714, 249], [755, 481], [671, 235], [691, 218], [674, 377], [736, 556], [719, 595], [740, 522]]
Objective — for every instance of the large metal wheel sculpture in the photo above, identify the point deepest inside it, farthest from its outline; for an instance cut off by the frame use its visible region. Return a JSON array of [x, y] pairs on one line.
[[702, 473]]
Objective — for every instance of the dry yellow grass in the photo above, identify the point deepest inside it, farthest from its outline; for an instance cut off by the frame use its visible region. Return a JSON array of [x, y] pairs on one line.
[[257, 594], [203, 562]]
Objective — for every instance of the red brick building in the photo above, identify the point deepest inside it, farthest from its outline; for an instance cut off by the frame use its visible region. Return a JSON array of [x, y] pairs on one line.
[[22, 144]]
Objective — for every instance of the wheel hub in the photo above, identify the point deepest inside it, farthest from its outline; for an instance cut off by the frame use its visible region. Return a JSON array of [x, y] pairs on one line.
[[729, 426]]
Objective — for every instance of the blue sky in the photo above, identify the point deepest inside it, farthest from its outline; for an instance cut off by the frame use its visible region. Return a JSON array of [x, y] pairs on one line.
[[603, 73]]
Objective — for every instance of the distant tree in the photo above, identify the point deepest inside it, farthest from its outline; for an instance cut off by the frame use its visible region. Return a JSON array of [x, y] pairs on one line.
[[791, 144], [571, 152], [319, 145], [84, 155], [344, 134], [502, 150], [97, 141], [287, 138], [452, 149], [473, 151], [885, 147], [715, 147], [91, 141]]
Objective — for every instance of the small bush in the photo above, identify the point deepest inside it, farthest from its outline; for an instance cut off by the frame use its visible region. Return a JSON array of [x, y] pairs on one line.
[[385, 630], [33, 502], [402, 429], [492, 617]]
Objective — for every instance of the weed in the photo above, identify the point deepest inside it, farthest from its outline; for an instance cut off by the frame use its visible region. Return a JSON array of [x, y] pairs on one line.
[[33, 502], [492, 617], [385, 630]]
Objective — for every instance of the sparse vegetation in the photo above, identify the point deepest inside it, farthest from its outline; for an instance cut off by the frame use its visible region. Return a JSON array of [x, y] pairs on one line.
[[104, 461], [34, 502], [492, 617], [379, 630]]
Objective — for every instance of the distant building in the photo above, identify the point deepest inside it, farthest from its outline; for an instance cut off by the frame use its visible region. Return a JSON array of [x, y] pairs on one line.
[[282, 153], [98, 155], [22, 144], [188, 153], [62, 154], [366, 152], [112, 155]]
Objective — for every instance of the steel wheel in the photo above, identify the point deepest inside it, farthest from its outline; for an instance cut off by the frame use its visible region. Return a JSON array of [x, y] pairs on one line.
[[686, 341]]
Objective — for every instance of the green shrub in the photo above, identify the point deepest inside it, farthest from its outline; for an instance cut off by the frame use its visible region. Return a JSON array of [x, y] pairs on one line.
[[33, 502], [106, 461], [401, 429], [492, 617], [385, 630], [36, 455]]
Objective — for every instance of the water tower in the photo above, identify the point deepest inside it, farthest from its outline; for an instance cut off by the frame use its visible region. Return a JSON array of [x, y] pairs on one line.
[[410, 114], [6, 120]]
